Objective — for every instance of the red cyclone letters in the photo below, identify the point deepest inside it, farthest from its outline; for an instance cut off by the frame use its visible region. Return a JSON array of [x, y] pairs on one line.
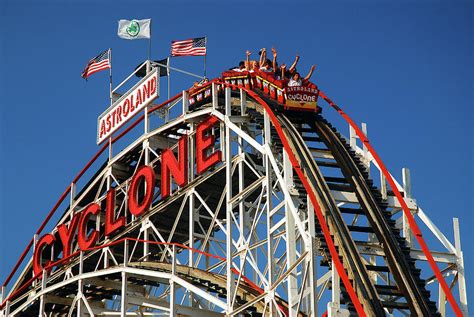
[[47, 239], [140, 193], [178, 169], [146, 174], [84, 241], [67, 234], [203, 144], [111, 225]]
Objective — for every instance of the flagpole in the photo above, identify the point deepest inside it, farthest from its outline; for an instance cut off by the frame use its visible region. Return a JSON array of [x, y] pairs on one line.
[[205, 43], [169, 86], [168, 73], [111, 98], [149, 46], [110, 76]]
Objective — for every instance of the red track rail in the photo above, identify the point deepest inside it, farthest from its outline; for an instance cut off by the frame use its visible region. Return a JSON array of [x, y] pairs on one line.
[[411, 220], [317, 209], [339, 267], [75, 180], [124, 240]]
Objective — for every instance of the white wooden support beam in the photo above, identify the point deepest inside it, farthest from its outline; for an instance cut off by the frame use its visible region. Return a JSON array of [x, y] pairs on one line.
[[3, 294], [6, 310], [123, 297], [185, 102], [441, 301], [352, 137], [80, 286], [311, 285], [44, 279], [191, 202], [407, 233], [125, 252], [241, 152], [72, 195], [364, 148], [290, 238], [460, 268], [172, 285], [383, 186], [228, 172], [336, 286], [215, 96], [268, 206]]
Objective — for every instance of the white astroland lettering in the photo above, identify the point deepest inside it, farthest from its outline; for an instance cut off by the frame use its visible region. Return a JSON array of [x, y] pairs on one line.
[[127, 107]]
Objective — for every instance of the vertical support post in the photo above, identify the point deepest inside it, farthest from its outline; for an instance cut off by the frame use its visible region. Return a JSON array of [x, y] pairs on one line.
[[146, 223], [191, 229], [3, 294], [146, 118], [407, 233], [228, 173], [441, 301], [105, 250], [290, 238], [125, 252], [172, 285], [364, 148], [241, 153], [191, 201], [35, 241], [80, 286], [7, 309], [72, 194], [352, 137], [383, 186], [460, 268], [191, 240], [123, 297], [146, 236], [406, 182], [312, 259], [215, 97], [333, 306], [185, 102], [373, 259], [268, 193], [43, 286], [146, 149], [110, 149]]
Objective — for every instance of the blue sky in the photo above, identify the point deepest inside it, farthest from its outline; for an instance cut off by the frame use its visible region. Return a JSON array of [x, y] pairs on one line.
[[404, 67]]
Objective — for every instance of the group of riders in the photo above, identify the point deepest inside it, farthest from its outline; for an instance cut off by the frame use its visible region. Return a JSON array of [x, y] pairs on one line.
[[264, 64]]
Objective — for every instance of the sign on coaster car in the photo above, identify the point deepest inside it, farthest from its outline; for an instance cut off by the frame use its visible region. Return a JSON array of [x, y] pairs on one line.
[[302, 98], [199, 94]]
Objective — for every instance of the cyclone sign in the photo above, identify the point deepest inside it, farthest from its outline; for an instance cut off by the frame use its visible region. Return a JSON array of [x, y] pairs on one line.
[[137, 98], [301, 97]]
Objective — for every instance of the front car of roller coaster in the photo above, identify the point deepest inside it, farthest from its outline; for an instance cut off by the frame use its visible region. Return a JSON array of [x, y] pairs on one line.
[[235, 198]]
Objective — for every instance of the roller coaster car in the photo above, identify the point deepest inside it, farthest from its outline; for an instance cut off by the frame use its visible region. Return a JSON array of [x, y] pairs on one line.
[[200, 95], [301, 98]]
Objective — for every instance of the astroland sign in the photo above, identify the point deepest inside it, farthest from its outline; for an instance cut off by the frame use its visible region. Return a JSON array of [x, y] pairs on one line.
[[144, 92]]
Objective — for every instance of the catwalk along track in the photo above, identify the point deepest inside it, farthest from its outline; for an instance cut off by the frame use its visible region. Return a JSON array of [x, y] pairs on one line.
[[230, 202]]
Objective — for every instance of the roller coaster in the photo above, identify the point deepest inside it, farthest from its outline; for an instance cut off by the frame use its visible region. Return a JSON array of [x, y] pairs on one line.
[[233, 201]]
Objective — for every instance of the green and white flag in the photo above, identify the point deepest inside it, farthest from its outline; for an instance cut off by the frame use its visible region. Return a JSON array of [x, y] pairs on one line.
[[134, 29]]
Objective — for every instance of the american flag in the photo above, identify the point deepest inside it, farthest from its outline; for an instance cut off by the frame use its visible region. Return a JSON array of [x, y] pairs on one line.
[[98, 63], [191, 47]]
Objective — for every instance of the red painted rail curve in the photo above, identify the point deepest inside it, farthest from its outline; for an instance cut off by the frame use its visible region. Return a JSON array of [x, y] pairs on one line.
[[327, 235]]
